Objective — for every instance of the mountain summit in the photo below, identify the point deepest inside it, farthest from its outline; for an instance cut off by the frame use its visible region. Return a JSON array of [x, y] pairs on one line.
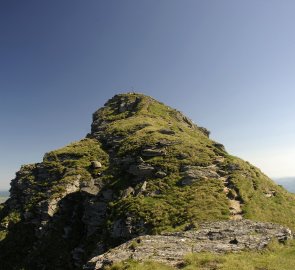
[[144, 169]]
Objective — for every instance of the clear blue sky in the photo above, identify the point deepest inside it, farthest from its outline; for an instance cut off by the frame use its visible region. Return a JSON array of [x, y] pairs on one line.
[[229, 65]]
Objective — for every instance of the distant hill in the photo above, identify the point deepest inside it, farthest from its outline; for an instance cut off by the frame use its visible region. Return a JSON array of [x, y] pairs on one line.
[[3, 195], [288, 183]]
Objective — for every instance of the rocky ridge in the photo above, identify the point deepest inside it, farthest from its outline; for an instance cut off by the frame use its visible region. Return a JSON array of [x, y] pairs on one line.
[[144, 169]]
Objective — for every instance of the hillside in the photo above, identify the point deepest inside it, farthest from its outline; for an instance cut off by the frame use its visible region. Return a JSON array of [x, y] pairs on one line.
[[144, 169]]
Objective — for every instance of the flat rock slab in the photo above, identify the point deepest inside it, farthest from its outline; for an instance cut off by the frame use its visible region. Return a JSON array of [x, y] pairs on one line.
[[170, 248]]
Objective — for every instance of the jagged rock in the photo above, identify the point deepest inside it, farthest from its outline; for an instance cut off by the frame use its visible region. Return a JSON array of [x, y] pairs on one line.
[[141, 169], [89, 187], [125, 162], [219, 146], [205, 131], [128, 228], [122, 228], [90, 190], [128, 191], [139, 160], [192, 174], [143, 187], [170, 248], [94, 214], [233, 167]]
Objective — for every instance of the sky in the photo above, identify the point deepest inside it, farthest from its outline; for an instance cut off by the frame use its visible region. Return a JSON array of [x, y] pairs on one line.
[[227, 64]]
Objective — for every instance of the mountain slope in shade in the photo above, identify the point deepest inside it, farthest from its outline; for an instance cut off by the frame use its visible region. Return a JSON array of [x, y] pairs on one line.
[[144, 168]]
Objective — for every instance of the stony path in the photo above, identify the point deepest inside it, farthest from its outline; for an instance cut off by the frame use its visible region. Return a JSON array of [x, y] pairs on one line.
[[235, 204]]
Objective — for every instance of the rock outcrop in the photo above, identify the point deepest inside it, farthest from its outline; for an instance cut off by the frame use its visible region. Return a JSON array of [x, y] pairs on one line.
[[170, 248], [143, 170]]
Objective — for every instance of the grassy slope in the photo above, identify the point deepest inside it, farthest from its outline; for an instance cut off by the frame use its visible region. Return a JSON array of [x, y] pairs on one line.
[[275, 257], [174, 207], [177, 206]]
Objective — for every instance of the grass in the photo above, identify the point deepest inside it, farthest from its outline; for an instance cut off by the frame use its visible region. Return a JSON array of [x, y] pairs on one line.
[[274, 257]]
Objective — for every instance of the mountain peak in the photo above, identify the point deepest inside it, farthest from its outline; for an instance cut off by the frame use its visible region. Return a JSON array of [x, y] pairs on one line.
[[145, 168]]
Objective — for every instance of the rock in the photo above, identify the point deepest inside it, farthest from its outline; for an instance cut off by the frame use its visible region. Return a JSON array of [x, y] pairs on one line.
[[270, 193], [89, 187], [170, 248], [123, 107], [219, 160], [153, 152], [143, 187], [160, 174], [128, 228], [141, 170], [205, 131], [94, 215], [167, 131], [127, 192], [96, 164], [139, 160], [90, 190], [233, 167], [219, 146], [192, 174], [122, 228], [182, 156]]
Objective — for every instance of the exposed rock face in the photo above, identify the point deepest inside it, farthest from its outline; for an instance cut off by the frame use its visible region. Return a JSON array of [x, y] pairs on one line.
[[192, 174], [143, 169], [170, 248]]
